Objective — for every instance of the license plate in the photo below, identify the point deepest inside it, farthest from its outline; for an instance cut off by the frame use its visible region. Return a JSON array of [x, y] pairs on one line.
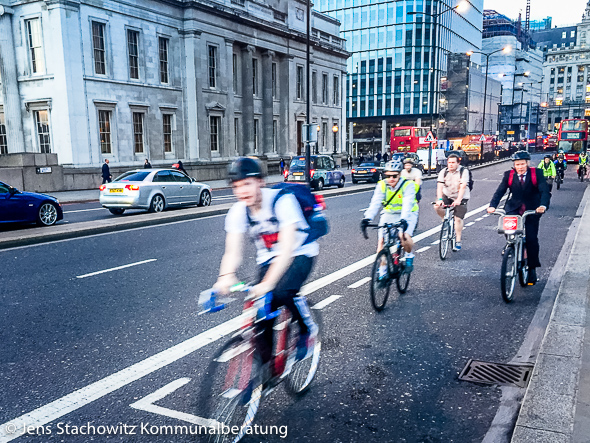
[[116, 190], [362, 172], [297, 174], [298, 178]]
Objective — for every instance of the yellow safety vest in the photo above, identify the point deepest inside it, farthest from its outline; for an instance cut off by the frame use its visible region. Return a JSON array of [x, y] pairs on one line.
[[396, 203]]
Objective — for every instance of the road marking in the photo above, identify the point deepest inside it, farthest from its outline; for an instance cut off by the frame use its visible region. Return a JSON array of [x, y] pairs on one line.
[[479, 219], [94, 391], [425, 248], [359, 283], [327, 301], [84, 210], [470, 224], [436, 242], [117, 268], [363, 210], [147, 404]]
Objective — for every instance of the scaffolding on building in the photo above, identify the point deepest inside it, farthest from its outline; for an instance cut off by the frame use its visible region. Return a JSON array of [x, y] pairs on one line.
[[496, 24]]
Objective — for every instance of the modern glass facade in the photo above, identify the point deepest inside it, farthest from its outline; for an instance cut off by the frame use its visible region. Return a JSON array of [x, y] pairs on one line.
[[393, 70]]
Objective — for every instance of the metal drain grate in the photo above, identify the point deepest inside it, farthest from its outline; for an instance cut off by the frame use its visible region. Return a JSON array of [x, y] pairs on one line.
[[497, 373]]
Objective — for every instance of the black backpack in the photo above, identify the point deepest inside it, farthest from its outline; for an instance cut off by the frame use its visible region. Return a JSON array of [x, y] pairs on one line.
[[470, 182]]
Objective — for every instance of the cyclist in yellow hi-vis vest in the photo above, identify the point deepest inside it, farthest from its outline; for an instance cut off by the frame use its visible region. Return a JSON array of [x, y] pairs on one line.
[[396, 198]]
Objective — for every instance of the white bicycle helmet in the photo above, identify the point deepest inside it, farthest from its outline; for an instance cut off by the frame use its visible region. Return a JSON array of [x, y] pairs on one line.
[[393, 166]]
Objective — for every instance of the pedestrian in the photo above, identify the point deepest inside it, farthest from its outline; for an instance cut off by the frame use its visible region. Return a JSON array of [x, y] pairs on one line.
[[528, 192], [360, 159], [378, 156], [180, 167], [106, 172], [385, 158], [147, 164], [282, 165], [349, 160]]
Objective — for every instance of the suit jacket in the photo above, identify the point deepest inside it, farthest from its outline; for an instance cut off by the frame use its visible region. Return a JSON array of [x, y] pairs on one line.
[[532, 197], [106, 172]]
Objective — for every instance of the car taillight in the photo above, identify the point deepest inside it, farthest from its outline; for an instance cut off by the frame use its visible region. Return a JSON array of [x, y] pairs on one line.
[[285, 173], [353, 171], [102, 187], [373, 170], [132, 187], [311, 173]]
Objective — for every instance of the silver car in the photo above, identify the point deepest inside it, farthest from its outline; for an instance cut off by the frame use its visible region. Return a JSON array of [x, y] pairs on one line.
[[154, 190]]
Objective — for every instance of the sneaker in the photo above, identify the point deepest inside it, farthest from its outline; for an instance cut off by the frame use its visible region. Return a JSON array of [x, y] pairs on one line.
[[409, 264], [457, 246], [382, 273], [532, 280]]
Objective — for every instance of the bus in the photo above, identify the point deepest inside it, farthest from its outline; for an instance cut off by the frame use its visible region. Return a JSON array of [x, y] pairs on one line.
[[408, 139], [573, 138]]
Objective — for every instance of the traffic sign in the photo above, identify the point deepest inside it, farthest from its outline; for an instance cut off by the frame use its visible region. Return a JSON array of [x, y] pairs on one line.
[[430, 138], [482, 138]]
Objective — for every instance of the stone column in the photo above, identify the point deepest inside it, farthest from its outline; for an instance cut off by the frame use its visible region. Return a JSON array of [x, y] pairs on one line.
[[267, 103], [383, 136], [287, 124], [247, 101], [190, 44], [10, 91], [227, 146]]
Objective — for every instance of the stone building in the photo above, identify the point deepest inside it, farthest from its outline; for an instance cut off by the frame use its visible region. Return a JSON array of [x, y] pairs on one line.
[[199, 80]]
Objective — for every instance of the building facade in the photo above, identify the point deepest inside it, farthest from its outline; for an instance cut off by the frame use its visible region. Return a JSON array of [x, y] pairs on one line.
[[201, 81], [398, 60]]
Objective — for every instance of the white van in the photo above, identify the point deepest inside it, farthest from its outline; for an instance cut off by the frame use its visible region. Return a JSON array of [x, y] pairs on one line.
[[437, 154]]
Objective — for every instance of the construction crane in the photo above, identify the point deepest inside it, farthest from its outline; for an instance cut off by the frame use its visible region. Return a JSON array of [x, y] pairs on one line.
[[527, 24]]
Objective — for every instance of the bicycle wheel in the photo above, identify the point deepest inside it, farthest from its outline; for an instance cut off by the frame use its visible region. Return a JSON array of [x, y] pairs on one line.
[[508, 273], [558, 183], [302, 372], [523, 271], [380, 284], [231, 389], [402, 279], [445, 240]]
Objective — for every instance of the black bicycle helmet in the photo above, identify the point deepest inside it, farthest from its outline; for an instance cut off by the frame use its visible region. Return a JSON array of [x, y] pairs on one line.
[[548, 156], [244, 167], [521, 155]]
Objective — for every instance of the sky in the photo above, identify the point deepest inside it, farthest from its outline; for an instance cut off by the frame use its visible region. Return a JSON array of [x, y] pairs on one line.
[[563, 12]]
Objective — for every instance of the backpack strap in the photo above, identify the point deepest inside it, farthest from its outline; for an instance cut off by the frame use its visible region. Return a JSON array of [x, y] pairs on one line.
[[511, 177], [401, 185], [534, 177]]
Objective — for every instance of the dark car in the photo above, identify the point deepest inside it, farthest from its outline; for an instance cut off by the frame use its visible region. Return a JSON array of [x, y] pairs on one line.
[[28, 207], [368, 171], [323, 172], [463, 159]]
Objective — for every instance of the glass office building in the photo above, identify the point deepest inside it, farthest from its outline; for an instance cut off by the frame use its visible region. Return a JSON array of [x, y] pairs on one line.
[[397, 61]]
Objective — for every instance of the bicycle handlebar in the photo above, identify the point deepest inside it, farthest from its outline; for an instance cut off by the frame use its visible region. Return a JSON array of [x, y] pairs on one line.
[[210, 303], [502, 212], [443, 205], [377, 226]]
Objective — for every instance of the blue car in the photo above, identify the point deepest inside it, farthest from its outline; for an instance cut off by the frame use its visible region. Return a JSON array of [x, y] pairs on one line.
[[28, 207]]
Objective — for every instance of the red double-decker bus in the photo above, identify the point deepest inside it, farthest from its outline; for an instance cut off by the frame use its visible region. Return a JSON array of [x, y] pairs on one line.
[[408, 139], [572, 138]]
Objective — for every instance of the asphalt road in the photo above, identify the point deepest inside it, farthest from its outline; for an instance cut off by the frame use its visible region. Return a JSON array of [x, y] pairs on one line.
[[81, 348]]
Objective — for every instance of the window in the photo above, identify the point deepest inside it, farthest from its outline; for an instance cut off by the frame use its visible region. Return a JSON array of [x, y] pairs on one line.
[[179, 177], [35, 46], [325, 135], [133, 48], [299, 82], [236, 134], [325, 88], [572, 34], [235, 72], [163, 50], [104, 131], [167, 130], [336, 90], [314, 87], [138, 132], [98, 45], [275, 134], [3, 139], [274, 80], [214, 125], [42, 124], [563, 34], [256, 135], [255, 76], [212, 66]]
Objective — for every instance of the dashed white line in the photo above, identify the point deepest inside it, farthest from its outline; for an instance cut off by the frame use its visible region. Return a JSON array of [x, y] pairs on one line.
[[425, 248], [325, 302], [116, 268], [479, 219], [470, 223], [435, 242], [359, 283], [83, 210]]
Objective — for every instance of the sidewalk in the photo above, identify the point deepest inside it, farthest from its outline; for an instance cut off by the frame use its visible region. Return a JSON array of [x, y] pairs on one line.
[[556, 406]]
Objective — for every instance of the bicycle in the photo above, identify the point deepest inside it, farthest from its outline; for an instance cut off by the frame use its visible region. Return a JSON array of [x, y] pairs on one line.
[[389, 265], [559, 178], [236, 380], [582, 170], [514, 260], [448, 236]]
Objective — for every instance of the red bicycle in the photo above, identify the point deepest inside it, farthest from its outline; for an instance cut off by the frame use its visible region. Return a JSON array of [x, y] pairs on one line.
[[236, 381]]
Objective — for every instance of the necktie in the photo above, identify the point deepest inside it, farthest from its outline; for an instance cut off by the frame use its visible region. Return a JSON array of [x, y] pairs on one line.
[[522, 179]]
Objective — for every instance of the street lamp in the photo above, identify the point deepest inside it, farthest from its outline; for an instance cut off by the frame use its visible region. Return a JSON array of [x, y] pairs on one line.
[[460, 7], [335, 131]]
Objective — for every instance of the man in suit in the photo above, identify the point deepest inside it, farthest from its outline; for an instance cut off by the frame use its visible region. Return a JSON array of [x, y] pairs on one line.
[[106, 172], [525, 196]]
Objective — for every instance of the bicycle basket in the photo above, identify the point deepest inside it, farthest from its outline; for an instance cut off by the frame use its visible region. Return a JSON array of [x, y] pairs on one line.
[[510, 224]]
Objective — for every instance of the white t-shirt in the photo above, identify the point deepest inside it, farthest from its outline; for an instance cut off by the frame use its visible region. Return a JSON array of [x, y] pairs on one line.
[[413, 175], [266, 228]]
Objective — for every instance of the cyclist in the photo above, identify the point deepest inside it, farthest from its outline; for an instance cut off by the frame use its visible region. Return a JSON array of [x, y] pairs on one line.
[[525, 195], [453, 189], [396, 197], [582, 163], [283, 256], [410, 172], [560, 166], [549, 172]]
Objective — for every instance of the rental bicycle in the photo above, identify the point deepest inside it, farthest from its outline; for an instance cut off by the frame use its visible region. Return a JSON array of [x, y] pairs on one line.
[[448, 237], [514, 260], [236, 380], [389, 265]]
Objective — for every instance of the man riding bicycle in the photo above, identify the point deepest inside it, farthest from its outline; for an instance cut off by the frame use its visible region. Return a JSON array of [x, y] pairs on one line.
[[397, 199], [527, 193], [549, 172], [582, 163], [283, 255], [560, 166], [452, 189]]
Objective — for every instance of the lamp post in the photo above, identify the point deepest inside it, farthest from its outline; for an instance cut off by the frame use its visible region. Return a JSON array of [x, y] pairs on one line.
[[335, 131], [529, 105], [308, 96]]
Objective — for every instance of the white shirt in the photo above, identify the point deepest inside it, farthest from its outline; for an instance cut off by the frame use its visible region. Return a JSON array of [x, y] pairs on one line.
[[413, 175], [452, 181], [409, 199], [266, 228]]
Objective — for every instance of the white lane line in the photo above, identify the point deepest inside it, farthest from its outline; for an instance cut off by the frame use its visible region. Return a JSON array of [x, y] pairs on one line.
[[359, 283], [117, 268], [84, 210], [147, 404], [425, 248], [363, 210], [435, 242], [325, 302], [479, 219], [86, 395], [470, 223]]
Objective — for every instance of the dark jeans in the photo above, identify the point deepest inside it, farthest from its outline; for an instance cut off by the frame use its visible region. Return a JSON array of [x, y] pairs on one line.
[[532, 239], [106, 180], [285, 294]]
